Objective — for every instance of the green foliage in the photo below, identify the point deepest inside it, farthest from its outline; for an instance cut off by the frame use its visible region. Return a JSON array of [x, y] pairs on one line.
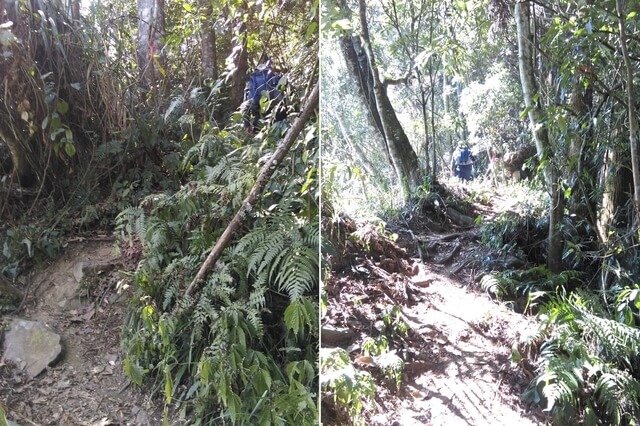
[[392, 323], [3, 416], [514, 234], [243, 349], [588, 363], [491, 109], [529, 288], [392, 367], [345, 384], [627, 305], [377, 346], [29, 242]]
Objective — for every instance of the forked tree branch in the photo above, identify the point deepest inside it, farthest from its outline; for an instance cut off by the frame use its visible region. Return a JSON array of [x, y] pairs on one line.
[[267, 171]]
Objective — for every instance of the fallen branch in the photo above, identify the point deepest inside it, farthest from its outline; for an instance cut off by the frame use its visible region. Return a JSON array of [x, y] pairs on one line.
[[267, 171]]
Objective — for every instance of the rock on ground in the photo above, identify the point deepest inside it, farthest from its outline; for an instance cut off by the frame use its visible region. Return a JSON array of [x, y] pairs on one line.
[[31, 345]]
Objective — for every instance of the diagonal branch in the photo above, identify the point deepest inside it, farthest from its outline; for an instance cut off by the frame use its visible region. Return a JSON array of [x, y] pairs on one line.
[[267, 171]]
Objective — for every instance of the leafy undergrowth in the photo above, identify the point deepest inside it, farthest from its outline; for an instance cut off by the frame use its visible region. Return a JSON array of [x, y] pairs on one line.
[[242, 348]]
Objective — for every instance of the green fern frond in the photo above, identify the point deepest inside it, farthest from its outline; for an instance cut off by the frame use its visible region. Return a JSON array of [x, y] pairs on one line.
[[257, 296], [132, 222], [561, 385], [311, 235], [169, 296], [491, 284], [251, 240], [265, 253], [299, 272], [618, 393]]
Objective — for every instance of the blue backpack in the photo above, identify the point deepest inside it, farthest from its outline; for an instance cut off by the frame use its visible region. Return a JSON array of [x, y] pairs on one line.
[[261, 80], [464, 157]]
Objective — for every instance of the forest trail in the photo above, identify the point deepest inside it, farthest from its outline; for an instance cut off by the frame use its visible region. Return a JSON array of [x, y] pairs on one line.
[[462, 372], [457, 351], [77, 296]]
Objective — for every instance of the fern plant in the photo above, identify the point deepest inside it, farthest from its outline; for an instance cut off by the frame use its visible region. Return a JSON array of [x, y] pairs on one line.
[[588, 364], [243, 350], [527, 289]]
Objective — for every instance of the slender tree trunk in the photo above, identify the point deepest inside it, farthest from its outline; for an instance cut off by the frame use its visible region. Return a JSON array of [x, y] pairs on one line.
[[633, 119], [540, 134], [240, 60], [75, 11], [150, 49], [208, 42], [425, 121], [363, 158], [249, 202], [358, 67], [402, 154], [434, 166]]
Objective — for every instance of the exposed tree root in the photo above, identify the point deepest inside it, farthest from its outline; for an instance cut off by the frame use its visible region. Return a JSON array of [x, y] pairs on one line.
[[448, 258]]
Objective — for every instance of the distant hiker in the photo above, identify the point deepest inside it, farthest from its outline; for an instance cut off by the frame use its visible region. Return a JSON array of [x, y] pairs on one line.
[[263, 85], [462, 165]]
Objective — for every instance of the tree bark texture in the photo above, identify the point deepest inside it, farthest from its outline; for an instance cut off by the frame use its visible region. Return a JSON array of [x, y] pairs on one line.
[[75, 12], [617, 182], [540, 133], [208, 42], [150, 31], [358, 67], [267, 171], [633, 119], [239, 58], [403, 157]]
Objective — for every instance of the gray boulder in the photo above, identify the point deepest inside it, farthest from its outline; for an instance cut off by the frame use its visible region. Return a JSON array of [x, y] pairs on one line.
[[31, 345]]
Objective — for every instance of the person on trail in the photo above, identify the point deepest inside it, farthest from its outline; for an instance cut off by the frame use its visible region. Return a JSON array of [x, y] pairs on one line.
[[462, 164], [262, 97]]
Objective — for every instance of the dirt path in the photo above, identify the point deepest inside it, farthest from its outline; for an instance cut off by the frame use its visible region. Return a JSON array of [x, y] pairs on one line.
[[458, 368], [457, 352], [77, 296], [465, 375]]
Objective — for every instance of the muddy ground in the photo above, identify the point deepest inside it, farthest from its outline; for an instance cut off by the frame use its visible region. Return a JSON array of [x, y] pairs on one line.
[[457, 350]]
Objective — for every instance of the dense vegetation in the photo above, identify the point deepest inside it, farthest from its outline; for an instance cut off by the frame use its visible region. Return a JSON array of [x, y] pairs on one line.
[[505, 77], [125, 118]]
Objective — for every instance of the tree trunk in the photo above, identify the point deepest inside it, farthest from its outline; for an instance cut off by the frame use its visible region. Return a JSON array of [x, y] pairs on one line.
[[239, 58], [617, 182], [150, 53], [208, 42], [403, 156], [540, 134], [358, 67], [425, 121], [633, 119], [434, 158], [75, 12]]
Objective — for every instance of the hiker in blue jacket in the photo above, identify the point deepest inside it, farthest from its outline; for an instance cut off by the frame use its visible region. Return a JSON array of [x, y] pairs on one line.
[[263, 84], [462, 164]]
